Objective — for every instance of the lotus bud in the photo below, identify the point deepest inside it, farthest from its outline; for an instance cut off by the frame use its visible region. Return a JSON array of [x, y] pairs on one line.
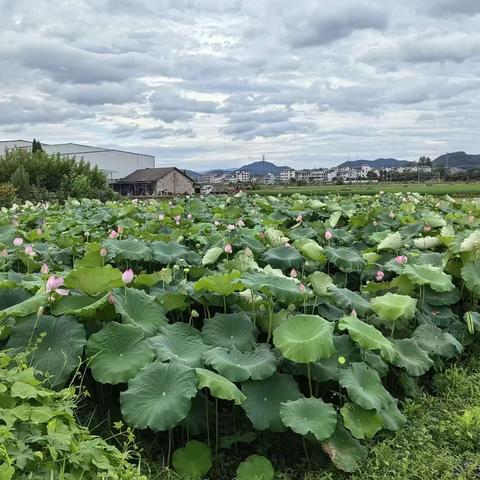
[[470, 218], [40, 311], [189, 216], [18, 241], [45, 270], [161, 216], [381, 192], [127, 276], [401, 259], [103, 252], [227, 248], [120, 229], [29, 251], [248, 252], [293, 273], [113, 234], [427, 228], [299, 218], [391, 215], [176, 267], [231, 227], [287, 244], [111, 299], [379, 276], [301, 287], [375, 223], [39, 232], [328, 235], [216, 223], [241, 223], [353, 313], [4, 253]]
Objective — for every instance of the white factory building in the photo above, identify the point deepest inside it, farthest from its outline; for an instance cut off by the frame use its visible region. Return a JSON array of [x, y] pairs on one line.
[[116, 164]]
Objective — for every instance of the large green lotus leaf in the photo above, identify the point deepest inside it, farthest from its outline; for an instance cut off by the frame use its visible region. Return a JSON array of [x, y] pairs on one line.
[[275, 237], [283, 257], [220, 387], [446, 298], [27, 307], [310, 249], [140, 309], [10, 297], [437, 342], [117, 352], [345, 259], [59, 353], [344, 451], [334, 218], [433, 219], [159, 397], [212, 255], [305, 338], [264, 398], [80, 305], [240, 366], [91, 257], [393, 241], [435, 277], [367, 336], [171, 253], [193, 461], [243, 261], [309, 415], [180, 342], [471, 277], [320, 282], [229, 330], [221, 283], [133, 250], [255, 467], [91, 281], [361, 423], [390, 307], [411, 357], [393, 418], [197, 419], [364, 386], [149, 280], [345, 298], [282, 289]]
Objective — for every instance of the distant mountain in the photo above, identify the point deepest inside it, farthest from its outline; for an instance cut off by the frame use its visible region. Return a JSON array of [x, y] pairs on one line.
[[457, 160], [192, 174], [262, 168], [378, 163]]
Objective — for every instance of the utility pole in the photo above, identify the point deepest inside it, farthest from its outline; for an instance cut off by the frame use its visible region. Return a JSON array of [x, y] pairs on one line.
[[446, 168]]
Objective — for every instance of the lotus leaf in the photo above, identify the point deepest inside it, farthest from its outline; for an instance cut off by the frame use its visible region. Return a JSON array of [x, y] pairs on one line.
[[212, 255], [393, 241], [92, 281], [221, 283], [193, 461], [220, 387], [320, 282], [435, 277], [345, 298], [391, 307], [345, 259], [309, 248], [361, 423], [283, 257], [283, 289], [133, 250], [437, 342], [172, 253], [471, 277], [255, 467]]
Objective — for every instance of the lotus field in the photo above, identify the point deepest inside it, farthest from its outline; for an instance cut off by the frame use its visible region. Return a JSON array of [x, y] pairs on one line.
[[238, 322]]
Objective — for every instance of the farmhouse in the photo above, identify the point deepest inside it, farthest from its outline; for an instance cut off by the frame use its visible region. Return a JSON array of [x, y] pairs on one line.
[[156, 182]]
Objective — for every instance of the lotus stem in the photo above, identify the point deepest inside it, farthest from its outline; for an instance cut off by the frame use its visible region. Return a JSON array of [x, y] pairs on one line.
[[216, 430], [224, 304], [169, 445], [305, 450], [208, 422], [270, 321], [309, 379], [235, 429]]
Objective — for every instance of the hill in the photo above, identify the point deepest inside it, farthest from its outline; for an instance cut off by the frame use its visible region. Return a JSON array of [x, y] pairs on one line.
[[262, 168], [457, 160], [378, 163]]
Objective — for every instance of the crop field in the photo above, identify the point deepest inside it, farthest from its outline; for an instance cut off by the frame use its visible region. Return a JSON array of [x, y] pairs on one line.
[[436, 189], [229, 337]]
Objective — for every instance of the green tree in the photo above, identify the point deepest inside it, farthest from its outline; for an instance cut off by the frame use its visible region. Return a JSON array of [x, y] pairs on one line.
[[20, 179], [36, 146]]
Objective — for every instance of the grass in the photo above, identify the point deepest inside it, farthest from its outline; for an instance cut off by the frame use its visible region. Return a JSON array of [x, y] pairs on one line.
[[454, 189]]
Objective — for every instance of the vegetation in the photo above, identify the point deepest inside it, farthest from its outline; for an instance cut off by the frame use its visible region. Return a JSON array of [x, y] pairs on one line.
[[38, 176], [250, 336]]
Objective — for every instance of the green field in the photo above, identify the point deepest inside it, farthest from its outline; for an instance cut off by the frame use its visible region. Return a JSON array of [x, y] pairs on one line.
[[455, 189]]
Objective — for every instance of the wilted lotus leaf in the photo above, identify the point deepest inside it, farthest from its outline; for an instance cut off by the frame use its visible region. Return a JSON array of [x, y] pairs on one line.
[[305, 338], [230, 330], [237, 366], [393, 241], [193, 461], [361, 423], [426, 242], [367, 336], [364, 386], [391, 307], [180, 342], [344, 451], [283, 257], [91, 281], [411, 357], [220, 387], [282, 289], [264, 397], [60, 351], [159, 397], [437, 342], [435, 277], [128, 250], [140, 309], [345, 259], [117, 352], [309, 415], [255, 467]]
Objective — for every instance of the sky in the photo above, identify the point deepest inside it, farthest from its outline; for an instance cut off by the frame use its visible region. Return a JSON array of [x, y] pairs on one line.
[[207, 84]]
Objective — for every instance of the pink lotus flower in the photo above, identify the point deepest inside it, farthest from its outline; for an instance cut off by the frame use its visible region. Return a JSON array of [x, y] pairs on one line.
[[231, 227], [161, 216], [45, 270], [379, 276], [241, 223], [53, 285], [177, 218], [401, 259], [18, 241], [103, 252], [227, 248], [127, 276], [328, 235], [391, 215], [293, 273], [29, 251], [113, 234], [189, 216], [120, 229], [301, 287]]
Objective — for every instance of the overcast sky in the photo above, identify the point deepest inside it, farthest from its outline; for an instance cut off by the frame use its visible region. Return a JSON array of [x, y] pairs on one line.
[[218, 83]]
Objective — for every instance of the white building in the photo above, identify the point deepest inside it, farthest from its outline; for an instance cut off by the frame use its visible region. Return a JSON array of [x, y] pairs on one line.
[[287, 174], [115, 164], [242, 176]]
